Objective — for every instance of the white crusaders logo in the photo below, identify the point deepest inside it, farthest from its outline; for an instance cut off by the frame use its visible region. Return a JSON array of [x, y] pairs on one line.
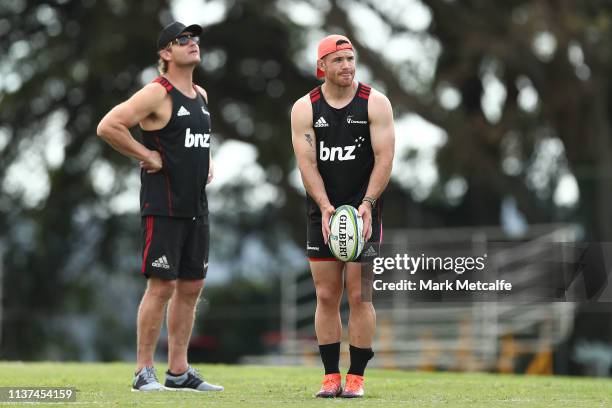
[[336, 153], [352, 121], [197, 139], [321, 123], [161, 262], [182, 112]]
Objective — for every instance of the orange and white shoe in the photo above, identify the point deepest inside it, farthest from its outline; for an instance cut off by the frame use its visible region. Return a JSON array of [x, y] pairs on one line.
[[331, 386], [353, 388]]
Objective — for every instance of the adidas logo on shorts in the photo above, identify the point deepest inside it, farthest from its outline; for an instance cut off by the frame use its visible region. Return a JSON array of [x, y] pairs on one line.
[[321, 123], [370, 252], [161, 262]]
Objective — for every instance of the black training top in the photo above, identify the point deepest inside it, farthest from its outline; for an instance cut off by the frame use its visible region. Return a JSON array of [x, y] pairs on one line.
[[178, 190], [345, 158]]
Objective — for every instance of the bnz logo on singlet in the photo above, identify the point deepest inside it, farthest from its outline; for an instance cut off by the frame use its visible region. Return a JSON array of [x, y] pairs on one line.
[[197, 139], [336, 153]]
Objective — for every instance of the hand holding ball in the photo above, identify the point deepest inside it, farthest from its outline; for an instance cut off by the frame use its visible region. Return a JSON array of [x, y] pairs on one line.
[[346, 234]]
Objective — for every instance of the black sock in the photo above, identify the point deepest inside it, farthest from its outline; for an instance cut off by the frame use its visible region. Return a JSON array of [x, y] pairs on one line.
[[359, 359], [330, 355], [175, 375]]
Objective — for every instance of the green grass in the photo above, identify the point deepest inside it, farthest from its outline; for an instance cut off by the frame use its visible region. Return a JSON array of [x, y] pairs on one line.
[[258, 386]]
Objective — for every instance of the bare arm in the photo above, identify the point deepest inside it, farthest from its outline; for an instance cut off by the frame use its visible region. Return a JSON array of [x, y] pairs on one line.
[[211, 164], [382, 135], [303, 139], [114, 127]]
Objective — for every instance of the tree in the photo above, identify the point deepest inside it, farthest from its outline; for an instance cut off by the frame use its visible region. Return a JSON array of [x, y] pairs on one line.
[[519, 87], [68, 63], [550, 61]]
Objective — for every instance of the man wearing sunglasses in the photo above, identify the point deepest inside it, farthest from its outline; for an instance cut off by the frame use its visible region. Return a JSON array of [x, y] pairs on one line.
[[174, 157]]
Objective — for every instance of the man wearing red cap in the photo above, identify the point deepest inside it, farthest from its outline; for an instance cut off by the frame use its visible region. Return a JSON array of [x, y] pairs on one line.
[[175, 166], [343, 138]]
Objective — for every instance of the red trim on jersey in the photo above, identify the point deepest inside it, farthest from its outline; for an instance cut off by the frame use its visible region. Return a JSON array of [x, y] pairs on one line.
[[148, 239], [322, 259], [161, 152], [315, 94], [364, 91], [164, 82]]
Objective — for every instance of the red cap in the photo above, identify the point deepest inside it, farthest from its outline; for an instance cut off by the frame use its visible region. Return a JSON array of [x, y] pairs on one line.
[[329, 44]]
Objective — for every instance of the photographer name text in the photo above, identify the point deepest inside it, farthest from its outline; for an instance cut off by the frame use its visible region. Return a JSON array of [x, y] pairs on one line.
[[431, 285]]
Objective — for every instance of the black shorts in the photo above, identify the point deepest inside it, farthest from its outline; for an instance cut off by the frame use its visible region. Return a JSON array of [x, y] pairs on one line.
[[316, 249], [175, 248]]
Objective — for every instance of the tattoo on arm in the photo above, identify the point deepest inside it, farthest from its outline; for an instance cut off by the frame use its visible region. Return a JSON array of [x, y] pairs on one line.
[[308, 139]]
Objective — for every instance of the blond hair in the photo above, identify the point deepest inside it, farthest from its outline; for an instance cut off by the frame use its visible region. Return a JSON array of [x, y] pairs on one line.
[[162, 65]]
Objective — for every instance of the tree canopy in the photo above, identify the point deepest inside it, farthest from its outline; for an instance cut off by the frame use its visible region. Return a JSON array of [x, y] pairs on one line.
[[518, 89]]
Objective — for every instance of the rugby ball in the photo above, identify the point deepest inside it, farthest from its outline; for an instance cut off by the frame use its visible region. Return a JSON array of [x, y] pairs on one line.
[[346, 234]]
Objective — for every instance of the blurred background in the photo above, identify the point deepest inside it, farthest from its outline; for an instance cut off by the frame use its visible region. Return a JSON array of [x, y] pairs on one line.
[[502, 114]]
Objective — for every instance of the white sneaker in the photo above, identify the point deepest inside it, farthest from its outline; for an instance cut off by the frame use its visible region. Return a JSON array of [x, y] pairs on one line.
[[190, 380], [146, 380]]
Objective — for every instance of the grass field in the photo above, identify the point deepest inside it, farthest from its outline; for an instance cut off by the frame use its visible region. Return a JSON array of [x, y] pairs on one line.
[[258, 386]]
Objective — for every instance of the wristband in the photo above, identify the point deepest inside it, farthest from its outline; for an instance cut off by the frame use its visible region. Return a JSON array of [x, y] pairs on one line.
[[370, 200]]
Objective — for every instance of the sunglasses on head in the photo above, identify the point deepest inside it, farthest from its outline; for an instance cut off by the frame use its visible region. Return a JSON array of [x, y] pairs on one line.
[[184, 39]]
